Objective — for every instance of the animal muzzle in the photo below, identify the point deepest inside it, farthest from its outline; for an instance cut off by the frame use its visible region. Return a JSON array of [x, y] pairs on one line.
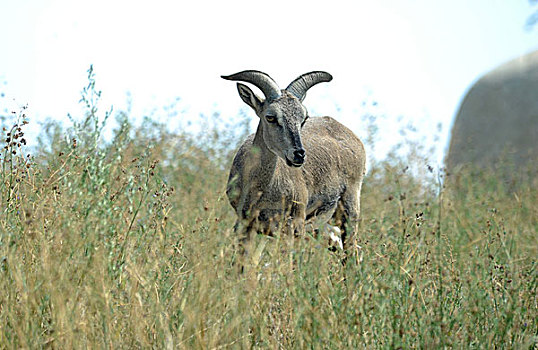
[[296, 158]]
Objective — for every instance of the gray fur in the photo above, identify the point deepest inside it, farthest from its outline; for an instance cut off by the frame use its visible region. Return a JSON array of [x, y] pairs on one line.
[[295, 170]]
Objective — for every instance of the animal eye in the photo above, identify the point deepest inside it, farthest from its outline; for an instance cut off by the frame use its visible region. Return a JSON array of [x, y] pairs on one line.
[[271, 118]]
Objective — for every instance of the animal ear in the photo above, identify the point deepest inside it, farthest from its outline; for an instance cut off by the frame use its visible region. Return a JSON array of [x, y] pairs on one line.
[[249, 97]]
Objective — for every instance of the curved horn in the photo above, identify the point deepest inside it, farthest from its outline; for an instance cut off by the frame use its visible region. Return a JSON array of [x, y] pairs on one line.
[[300, 86], [259, 79]]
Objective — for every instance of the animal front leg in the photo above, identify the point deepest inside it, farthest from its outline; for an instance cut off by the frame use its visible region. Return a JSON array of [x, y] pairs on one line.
[[297, 219], [245, 232]]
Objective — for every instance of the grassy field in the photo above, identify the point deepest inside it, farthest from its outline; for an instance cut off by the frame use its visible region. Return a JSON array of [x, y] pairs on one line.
[[129, 244]]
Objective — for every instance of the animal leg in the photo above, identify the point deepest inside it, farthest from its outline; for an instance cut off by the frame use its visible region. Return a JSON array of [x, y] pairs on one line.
[[347, 219], [245, 232]]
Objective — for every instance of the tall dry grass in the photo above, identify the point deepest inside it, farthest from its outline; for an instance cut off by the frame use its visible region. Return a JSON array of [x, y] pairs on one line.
[[128, 243]]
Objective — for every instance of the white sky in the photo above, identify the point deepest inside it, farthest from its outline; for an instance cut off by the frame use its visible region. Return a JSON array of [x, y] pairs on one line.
[[416, 58]]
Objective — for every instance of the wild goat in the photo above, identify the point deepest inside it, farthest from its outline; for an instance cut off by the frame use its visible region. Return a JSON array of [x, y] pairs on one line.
[[295, 170]]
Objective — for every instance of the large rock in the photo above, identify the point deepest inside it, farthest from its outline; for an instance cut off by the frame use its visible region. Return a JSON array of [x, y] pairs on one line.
[[498, 118]]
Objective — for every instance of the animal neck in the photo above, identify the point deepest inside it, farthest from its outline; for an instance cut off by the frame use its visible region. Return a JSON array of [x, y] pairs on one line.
[[265, 160]]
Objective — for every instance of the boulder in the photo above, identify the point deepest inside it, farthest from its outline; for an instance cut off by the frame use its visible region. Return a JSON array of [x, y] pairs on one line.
[[497, 121]]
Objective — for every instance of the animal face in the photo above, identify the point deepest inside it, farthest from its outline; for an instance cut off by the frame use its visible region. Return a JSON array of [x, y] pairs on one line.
[[282, 121]]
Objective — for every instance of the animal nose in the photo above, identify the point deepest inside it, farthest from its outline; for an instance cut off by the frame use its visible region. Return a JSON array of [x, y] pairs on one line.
[[299, 155]]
